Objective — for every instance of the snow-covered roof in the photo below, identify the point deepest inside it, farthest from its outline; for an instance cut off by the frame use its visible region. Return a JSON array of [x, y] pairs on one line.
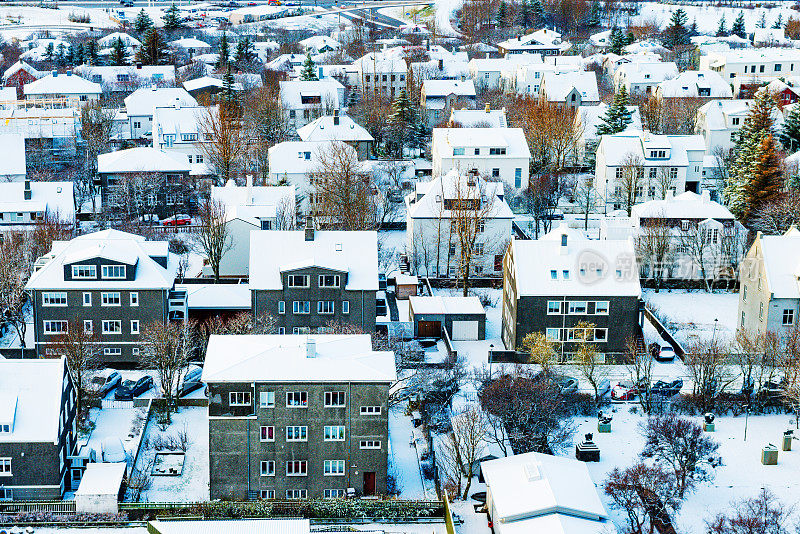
[[30, 399], [769, 36], [439, 305], [536, 261], [648, 72], [327, 89], [177, 120], [504, 63], [426, 201], [687, 205], [543, 38], [781, 254], [618, 147], [689, 84], [102, 479], [207, 81], [352, 252], [296, 358], [558, 85], [717, 112], [252, 203], [640, 47], [115, 74], [485, 118], [54, 197], [240, 526], [601, 39], [12, 154], [592, 117], [109, 244], [142, 101], [533, 485], [744, 55], [319, 42], [142, 159], [21, 65], [190, 42], [325, 129], [62, 84], [299, 157], [443, 88], [111, 38], [217, 296], [512, 139]]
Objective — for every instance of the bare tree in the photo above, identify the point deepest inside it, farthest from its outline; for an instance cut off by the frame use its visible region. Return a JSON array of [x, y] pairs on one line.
[[15, 268], [166, 348], [470, 208], [285, 214], [586, 198], [629, 185], [224, 142], [82, 351], [48, 229], [697, 245], [776, 216], [213, 234], [653, 246], [664, 181], [707, 363], [763, 514], [586, 358], [647, 495], [468, 437], [96, 125], [267, 123], [640, 370]]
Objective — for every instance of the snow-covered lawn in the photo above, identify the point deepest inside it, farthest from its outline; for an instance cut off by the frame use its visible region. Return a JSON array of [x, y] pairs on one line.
[[127, 424], [694, 315], [403, 457], [707, 15]]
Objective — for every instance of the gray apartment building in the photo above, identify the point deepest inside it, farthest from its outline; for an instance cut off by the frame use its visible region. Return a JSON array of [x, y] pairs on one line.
[[308, 279], [552, 284], [297, 416], [110, 283], [37, 428]]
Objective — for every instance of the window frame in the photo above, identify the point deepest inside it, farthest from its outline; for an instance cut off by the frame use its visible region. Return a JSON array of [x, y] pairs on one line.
[[290, 278], [334, 433], [330, 396], [303, 399], [107, 299], [264, 432], [264, 468], [63, 326], [336, 281], [370, 410], [369, 444], [302, 470], [247, 399], [108, 322], [54, 299], [264, 399], [301, 431], [76, 272], [106, 269]]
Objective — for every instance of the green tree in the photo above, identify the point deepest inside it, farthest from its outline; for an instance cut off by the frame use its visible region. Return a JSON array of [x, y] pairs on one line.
[[80, 54], [245, 53], [722, 30], [618, 116], [525, 13], [595, 13], [49, 52], [309, 71], [90, 55], [762, 22], [61, 54], [172, 19], [223, 51], [537, 12], [778, 24], [153, 50], [142, 23], [502, 15], [402, 121], [790, 132], [618, 41], [119, 53], [767, 180], [230, 97], [676, 34], [738, 26]]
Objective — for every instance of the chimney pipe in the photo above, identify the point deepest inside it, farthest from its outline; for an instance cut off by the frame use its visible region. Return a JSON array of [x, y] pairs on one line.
[[311, 348], [309, 228]]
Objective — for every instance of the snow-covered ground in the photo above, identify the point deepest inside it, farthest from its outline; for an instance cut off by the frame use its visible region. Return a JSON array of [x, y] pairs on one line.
[[404, 457], [127, 424], [696, 315], [707, 15]]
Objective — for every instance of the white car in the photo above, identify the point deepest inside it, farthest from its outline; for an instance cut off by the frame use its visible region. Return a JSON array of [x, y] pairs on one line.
[[113, 451], [666, 354]]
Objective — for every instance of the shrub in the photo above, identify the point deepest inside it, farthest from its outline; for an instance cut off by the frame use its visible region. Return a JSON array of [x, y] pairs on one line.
[[82, 18]]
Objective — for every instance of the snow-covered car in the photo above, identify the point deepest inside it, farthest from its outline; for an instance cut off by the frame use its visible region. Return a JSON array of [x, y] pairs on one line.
[[667, 389], [104, 382], [665, 353], [568, 385], [177, 220], [113, 451], [133, 388], [624, 391], [191, 381]]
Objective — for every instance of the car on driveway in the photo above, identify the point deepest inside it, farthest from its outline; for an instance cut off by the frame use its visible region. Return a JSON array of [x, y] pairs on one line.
[[665, 353], [191, 381], [667, 389], [104, 382], [177, 220], [133, 388], [624, 391]]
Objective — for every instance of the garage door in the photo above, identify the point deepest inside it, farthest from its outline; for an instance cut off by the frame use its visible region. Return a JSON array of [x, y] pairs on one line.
[[429, 329], [465, 330]]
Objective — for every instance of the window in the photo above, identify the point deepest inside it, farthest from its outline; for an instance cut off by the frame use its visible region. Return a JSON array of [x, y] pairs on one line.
[[577, 307], [189, 137], [458, 151], [296, 468], [239, 398], [325, 307], [297, 399], [329, 280], [134, 298], [54, 299], [495, 173], [336, 493], [115, 272], [660, 154], [565, 274], [116, 351], [5, 429], [497, 151], [281, 330], [301, 307], [87, 299], [112, 327], [370, 444], [296, 433], [518, 177], [553, 274], [267, 433], [84, 271], [267, 466], [618, 173], [333, 468], [744, 293], [600, 334], [110, 299], [266, 399], [55, 327], [735, 121], [370, 410], [761, 311], [788, 317], [199, 158], [742, 324], [295, 494], [345, 307], [553, 307], [334, 433], [297, 280], [281, 307], [479, 249], [135, 326], [266, 494], [88, 326], [685, 225], [551, 334], [5, 467], [135, 351], [335, 399], [601, 307]]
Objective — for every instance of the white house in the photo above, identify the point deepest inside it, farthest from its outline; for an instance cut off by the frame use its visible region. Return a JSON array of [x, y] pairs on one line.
[[544, 41], [319, 44], [304, 101], [191, 46], [438, 96], [752, 68], [74, 89], [642, 77], [589, 118], [498, 73], [432, 243], [601, 40], [611, 62], [496, 153], [13, 166], [662, 163], [719, 120], [527, 79], [338, 128], [572, 89], [770, 37], [128, 77], [109, 40], [695, 84], [479, 118], [140, 106], [23, 204], [178, 129]]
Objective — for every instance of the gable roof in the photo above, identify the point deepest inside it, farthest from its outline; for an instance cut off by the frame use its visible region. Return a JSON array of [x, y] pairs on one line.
[[62, 84], [781, 255], [687, 205], [327, 89], [239, 526], [469, 118], [647, 72], [21, 65], [689, 83], [143, 101], [512, 139], [142, 159], [12, 155], [111, 38], [251, 203], [30, 398], [55, 197], [442, 88], [558, 85], [429, 204], [284, 158], [324, 129]]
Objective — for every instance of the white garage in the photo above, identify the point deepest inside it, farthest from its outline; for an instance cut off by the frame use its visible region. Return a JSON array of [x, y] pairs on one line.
[[463, 318], [465, 330]]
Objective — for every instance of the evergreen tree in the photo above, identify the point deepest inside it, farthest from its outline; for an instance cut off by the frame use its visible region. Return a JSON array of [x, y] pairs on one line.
[[153, 50], [722, 31], [738, 26], [223, 51], [229, 96], [171, 18], [778, 22], [80, 54], [676, 33], [309, 71], [119, 54], [142, 23], [61, 54], [402, 110], [245, 53], [618, 116], [502, 15], [70, 59], [90, 54], [537, 12], [595, 14], [767, 180], [790, 132], [617, 41], [762, 22], [693, 28], [49, 52], [525, 16], [629, 39]]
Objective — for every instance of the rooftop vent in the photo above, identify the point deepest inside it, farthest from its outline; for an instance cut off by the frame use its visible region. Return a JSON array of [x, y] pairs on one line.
[[532, 472]]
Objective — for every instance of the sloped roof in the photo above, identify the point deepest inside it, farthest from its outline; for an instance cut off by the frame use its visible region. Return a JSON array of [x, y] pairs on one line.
[[648, 72], [439, 88], [447, 187], [56, 197], [618, 147], [558, 85], [33, 389], [687, 205], [142, 101], [111, 38], [513, 139], [327, 89], [781, 255], [285, 157], [62, 84], [189, 42], [446, 305], [12, 154], [20, 65], [469, 118], [324, 129], [240, 526], [688, 84], [142, 159]]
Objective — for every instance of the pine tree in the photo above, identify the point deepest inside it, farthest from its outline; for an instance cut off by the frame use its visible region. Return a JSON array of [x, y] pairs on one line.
[[49, 52], [502, 15], [790, 132], [595, 14], [617, 41], [676, 34], [402, 110], [80, 54], [722, 31], [767, 179], [738, 26], [245, 54], [762, 22], [171, 18], [309, 72], [537, 12], [142, 23], [230, 98], [618, 116], [223, 51], [693, 28], [90, 54], [61, 54], [153, 50], [778, 22], [70, 59], [119, 54], [525, 16]]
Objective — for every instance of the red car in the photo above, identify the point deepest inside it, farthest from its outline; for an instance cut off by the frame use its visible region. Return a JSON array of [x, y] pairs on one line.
[[624, 391], [177, 220]]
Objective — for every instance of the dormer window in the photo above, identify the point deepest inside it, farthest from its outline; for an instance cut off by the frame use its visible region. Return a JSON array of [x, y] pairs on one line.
[[113, 272], [84, 271], [658, 154], [497, 151], [329, 280], [553, 274]]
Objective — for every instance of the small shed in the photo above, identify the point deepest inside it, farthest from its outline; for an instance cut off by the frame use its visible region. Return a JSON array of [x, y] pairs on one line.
[[101, 488], [406, 285], [463, 317]]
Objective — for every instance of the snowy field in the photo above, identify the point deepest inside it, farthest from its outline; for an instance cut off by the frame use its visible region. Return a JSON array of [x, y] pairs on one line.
[[694, 315], [707, 15]]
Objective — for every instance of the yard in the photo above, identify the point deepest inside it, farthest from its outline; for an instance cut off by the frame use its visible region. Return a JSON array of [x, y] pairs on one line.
[[696, 315]]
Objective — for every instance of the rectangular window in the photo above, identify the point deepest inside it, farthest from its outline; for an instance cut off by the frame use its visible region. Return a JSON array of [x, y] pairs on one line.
[[266, 494], [553, 274], [370, 410], [296, 468], [788, 317], [325, 307], [112, 327], [296, 433], [458, 151], [5, 467], [134, 298], [601, 307], [551, 334], [84, 271], [267, 433], [335, 399], [577, 307], [281, 307], [370, 444], [553, 307], [135, 326], [345, 307], [113, 272], [744, 293], [518, 177], [301, 307], [54, 299], [55, 327], [239, 398], [87, 299], [297, 399], [115, 351], [110, 299], [88, 326], [297, 280], [267, 399], [336, 493], [267, 467], [761, 311], [333, 468], [497, 151], [334, 433], [295, 494], [329, 280]]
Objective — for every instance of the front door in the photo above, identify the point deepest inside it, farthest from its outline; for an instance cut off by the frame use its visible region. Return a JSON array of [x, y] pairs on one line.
[[369, 483]]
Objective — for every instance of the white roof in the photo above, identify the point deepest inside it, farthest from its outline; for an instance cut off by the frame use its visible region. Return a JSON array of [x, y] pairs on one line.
[[782, 263], [239, 526], [36, 386], [535, 260], [592, 117], [102, 479], [142, 101], [687, 205], [110, 244], [206, 81], [111, 38], [512, 139], [446, 305], [288, 157], [327, 89], [109, 73], [19, 65], [54, 197], [440, 88], [558, 85], [540, 38], [689, 83], [469, 118], [504, 63], [12, 154], [429, 205], [640, 47], [352, 252], [251, 203], [217, 296], [618, 147], [324, 129], [178, 120], [142, 159], [716, 112], [535, 485], [285, 358], [648, 72], [190, 42], [319, 42], [554, 524], [62, 84]]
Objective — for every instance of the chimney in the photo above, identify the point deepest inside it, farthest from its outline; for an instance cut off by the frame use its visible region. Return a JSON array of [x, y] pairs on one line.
[[249, 191], [54, 73], [336, 120], [311, 347], [309, 228], [27, 192], [69, 73], [705, 196], [487, 108], [441, 64], [177, 102], [138, 66]]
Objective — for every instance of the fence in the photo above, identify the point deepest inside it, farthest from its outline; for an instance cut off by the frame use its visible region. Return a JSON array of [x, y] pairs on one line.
[[37, 506], [114, 404]]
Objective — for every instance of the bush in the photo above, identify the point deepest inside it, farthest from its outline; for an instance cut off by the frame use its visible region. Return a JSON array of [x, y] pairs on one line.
[[82, 18], [581, 404]]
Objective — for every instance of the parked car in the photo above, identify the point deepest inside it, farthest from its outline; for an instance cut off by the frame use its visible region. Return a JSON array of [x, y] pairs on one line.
[[624, 391], [774, 389], [177, 220], [604, 388], [667, 389], [104, 382], [665, 353], [568, 385], [133, 388], [191, 381], [113, 451], [126, 3]]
